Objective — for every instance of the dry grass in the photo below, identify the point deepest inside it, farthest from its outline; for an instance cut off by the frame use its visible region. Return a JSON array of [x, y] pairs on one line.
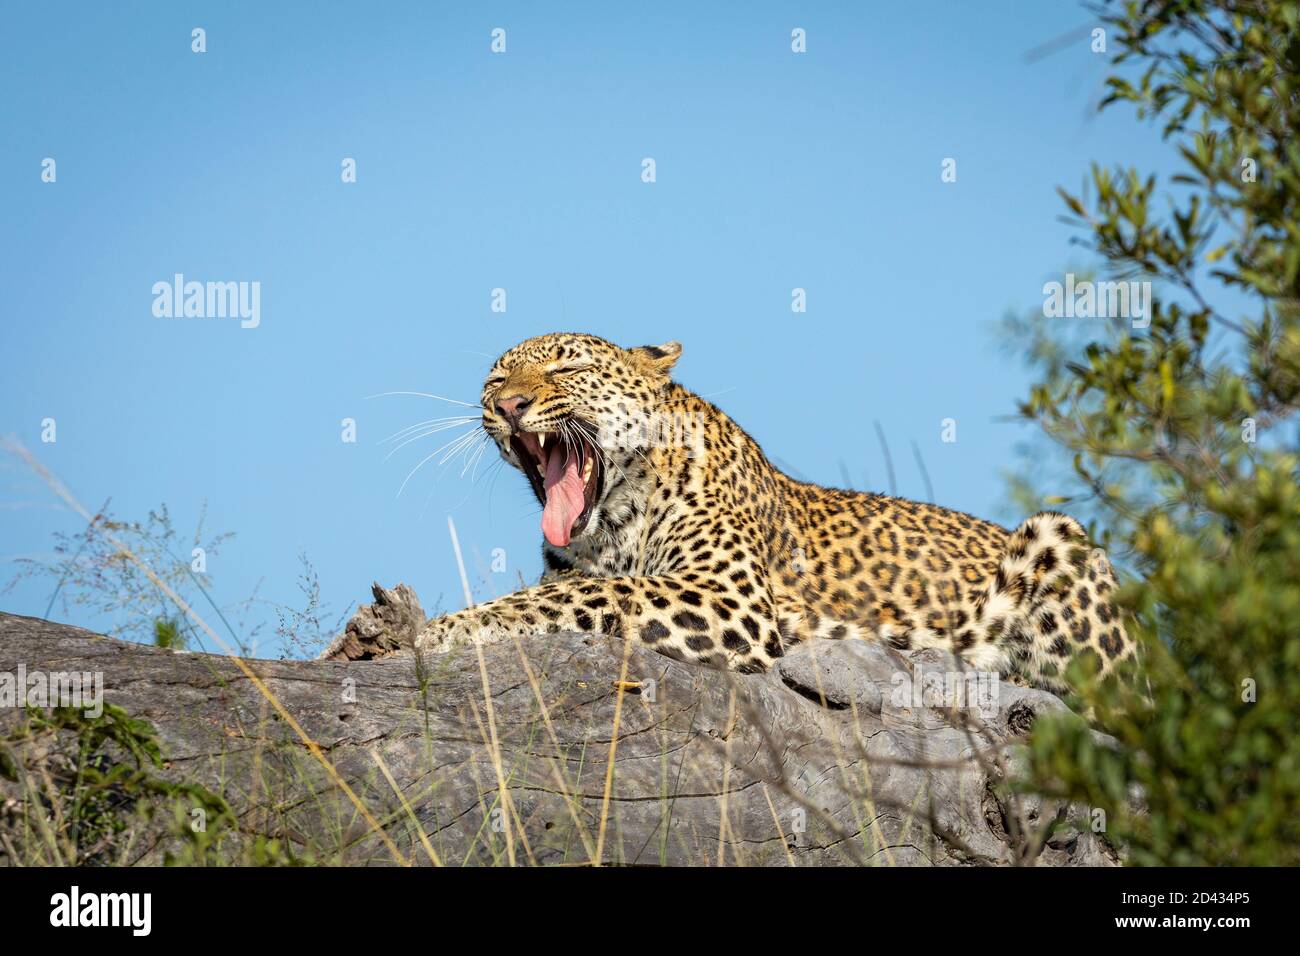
[[295, 819]]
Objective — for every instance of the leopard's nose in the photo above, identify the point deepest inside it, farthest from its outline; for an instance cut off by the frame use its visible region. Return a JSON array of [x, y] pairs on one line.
[[513, 407]]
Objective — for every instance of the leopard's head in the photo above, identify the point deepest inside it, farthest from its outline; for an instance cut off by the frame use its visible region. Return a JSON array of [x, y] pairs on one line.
[[564, 409]]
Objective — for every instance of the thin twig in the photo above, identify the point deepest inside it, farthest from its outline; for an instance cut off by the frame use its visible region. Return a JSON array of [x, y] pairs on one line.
[[889, 461]]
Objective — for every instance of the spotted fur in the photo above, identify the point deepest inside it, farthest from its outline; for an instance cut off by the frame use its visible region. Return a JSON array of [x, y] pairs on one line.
[[699, 547]]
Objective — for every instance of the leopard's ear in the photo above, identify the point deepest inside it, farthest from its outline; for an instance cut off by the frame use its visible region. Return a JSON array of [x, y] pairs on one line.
[[657, 358]]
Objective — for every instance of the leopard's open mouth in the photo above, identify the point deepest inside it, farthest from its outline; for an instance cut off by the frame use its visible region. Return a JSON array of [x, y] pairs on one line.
[[566, 474]]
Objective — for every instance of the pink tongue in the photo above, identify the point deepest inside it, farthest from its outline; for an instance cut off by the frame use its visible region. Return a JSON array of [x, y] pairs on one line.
[[564, 496]]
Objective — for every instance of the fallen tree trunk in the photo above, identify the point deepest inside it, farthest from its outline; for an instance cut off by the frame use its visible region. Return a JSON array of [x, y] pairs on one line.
[[831, 758]]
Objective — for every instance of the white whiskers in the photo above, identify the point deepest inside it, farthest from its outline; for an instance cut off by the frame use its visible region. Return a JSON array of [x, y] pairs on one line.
[[424, 430], [470, 444], [428, 395]]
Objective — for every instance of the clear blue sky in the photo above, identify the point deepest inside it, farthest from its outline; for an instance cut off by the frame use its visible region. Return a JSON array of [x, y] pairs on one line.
[[520, 170]]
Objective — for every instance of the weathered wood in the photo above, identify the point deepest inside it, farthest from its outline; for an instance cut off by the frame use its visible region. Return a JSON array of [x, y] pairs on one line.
[[709, 767]]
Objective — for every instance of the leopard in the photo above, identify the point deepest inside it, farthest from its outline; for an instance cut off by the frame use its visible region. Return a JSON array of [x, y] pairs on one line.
[[663, 522]]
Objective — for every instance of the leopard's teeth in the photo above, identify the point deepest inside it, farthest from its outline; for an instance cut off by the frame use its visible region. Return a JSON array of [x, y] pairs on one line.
[[540, 470], [586, 470], [541, 440]]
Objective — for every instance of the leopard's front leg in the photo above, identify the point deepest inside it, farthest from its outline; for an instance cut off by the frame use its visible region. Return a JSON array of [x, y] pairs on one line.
[[728, 622]]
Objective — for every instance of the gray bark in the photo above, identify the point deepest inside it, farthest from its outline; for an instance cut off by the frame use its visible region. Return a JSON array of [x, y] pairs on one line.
[[826, 760]]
